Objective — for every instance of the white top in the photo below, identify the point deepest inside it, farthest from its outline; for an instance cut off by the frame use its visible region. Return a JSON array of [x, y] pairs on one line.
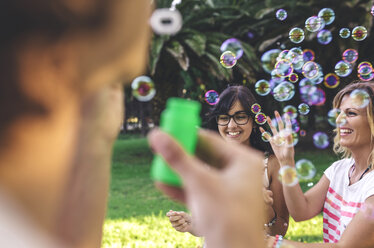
[[343, 200], [17, 230]]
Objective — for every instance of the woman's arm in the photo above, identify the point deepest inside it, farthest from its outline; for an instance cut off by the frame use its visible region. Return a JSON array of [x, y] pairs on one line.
[[279, 204], [358, 234], [301, 206]]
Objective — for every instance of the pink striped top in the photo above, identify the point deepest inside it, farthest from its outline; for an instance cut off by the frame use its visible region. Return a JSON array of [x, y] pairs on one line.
[[343, 200]]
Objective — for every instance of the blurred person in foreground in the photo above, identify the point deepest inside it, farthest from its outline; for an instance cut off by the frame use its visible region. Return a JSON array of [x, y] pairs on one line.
[[62, 64]]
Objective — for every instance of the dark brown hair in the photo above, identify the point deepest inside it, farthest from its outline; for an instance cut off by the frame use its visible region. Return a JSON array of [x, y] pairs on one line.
[[21, 19]]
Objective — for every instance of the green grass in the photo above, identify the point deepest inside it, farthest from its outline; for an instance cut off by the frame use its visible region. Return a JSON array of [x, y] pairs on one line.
[[136, 209]]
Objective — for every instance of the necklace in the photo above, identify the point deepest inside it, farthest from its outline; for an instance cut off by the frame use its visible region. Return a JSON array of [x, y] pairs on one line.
[[353, 169]]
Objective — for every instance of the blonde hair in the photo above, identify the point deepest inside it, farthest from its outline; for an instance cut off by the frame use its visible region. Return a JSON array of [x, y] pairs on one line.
[[369, 88]]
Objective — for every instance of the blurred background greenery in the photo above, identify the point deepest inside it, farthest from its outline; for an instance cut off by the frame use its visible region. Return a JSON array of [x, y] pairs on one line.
[[187, 64], [136, 209]]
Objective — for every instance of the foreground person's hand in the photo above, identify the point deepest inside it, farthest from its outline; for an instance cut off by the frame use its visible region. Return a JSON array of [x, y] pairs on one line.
[[226, 201], [181, 221]]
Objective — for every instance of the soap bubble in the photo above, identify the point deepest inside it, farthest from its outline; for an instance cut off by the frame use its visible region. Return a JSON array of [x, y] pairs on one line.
[[260, 118], [331, 81], [281, 14], [293, 78], [275, 78], [143, 88], [359, 33], [310, 70], [332, 115], [266, 136], [228, 59], [291, 111], [166, 22], [324, 37], [350, 56], [305, 169], [313, 95], [282, 55], [283, 68], [284, 91], [308, 55], [288, 175], [364, 69], [343, 69], [303, 108], [341, 119], [212, 97], [278, 140], [295, 125], [296, 35], [314, 23], [366, 77], [234, 46], [302, 132], [327, 14], [255, 108], [305, 82], [262, 87], [295, 139], [364, 63], [360, 98], [295, 55], [318, 79], [344, 33], [321, 140], [269, 59]]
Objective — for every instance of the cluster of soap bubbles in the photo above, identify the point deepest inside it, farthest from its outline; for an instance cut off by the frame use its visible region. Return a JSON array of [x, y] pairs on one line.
[[304, 170], [232, 50], [365, 71], [317, 24]]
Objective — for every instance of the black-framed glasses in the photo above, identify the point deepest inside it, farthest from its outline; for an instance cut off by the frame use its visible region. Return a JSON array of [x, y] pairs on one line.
[[240, 118]]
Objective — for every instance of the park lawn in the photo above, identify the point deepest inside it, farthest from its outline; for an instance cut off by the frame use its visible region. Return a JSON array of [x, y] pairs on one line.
[[136, 209]]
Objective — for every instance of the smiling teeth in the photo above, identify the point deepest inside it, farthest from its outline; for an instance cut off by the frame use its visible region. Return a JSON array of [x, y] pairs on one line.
[[234, 133], [345, 131]]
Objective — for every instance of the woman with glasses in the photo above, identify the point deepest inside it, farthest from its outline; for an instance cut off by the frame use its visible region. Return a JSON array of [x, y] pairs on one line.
[[233, 119]]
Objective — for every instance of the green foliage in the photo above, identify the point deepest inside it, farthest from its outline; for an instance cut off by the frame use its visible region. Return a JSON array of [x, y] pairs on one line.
[[191, 71], [136, 209]]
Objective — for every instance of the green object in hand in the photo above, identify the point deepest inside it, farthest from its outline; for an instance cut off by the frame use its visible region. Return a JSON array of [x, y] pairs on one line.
[[180, 119]]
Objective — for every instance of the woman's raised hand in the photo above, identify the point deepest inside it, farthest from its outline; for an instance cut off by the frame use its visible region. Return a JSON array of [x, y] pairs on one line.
[[282, 140]]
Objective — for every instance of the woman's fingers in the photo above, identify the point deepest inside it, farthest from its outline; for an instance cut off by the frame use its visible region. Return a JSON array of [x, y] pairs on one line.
[[279, 121], [272, 128]]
